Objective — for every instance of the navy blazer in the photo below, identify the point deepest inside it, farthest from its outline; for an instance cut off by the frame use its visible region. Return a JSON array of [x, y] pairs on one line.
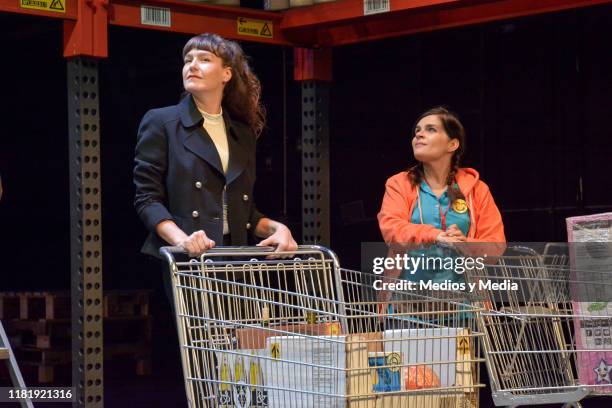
[[178, 176]]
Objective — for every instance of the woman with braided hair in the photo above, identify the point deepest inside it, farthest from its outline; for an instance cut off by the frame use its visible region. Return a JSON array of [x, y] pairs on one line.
[[438, 202]]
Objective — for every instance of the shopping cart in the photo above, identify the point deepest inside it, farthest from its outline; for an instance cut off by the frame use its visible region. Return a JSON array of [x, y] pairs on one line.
[[303, 332], [533, 345]]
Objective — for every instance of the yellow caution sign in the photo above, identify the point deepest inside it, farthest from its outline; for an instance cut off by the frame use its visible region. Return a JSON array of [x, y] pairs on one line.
[[463, 344], [254, 28], [275, 350], [394, 360], [45, 5], [311, 318]]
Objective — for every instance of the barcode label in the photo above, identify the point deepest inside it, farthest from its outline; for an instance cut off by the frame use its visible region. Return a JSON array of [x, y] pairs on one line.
[[323, 379], [375, 6], [155, 16]]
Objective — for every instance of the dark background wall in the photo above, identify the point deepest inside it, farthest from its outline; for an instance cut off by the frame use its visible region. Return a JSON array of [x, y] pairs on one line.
[[533, 93]]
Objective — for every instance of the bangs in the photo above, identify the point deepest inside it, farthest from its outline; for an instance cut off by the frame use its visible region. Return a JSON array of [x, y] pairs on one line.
[[208, 42]]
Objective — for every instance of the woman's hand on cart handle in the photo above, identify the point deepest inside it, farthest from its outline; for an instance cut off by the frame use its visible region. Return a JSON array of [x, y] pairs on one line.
[[279, 237], [196, 244]]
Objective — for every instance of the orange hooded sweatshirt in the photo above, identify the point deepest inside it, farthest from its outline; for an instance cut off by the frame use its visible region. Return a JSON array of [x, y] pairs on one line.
[[400, 199]]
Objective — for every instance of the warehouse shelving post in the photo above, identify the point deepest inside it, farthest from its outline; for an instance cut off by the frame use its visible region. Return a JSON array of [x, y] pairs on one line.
[[313, 68], [85, 41]]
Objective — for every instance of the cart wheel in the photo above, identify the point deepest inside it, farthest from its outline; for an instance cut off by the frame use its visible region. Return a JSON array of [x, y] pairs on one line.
[[572, 405]]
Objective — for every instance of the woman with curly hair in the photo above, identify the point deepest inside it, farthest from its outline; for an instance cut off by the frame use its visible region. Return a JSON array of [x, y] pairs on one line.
[[195, 161]]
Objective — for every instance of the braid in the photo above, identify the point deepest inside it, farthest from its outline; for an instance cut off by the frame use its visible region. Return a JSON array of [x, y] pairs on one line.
[[416, 174], [453, 191]]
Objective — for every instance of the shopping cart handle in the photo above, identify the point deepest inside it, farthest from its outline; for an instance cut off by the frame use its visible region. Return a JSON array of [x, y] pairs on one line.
[[239, 249], [172, 250], [219, 250]]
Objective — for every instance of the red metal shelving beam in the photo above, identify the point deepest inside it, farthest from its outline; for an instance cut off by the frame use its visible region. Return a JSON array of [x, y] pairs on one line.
[[88, 35], [195, 18], [343, 22], [86, 21], [328, 24]]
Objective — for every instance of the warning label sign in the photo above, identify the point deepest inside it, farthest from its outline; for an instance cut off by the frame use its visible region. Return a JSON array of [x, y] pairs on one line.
[[44, 5], [255, 28], [275, 350], [463, 344]]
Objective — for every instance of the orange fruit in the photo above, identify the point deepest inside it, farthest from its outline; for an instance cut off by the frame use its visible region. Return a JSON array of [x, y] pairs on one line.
[[419, 377]]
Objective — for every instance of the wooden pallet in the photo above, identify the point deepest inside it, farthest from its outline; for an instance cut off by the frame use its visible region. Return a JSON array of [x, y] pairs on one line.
[[9, 305], [46, 361], [56, 305], [29, 355], [8, 357], [126, 303], [47, 334], [140, 352], [42, 334], [34, 305], [39, 327], [128, 329]]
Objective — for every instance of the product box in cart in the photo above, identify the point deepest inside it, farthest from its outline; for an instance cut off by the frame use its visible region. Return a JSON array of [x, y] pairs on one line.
[[255, 337], [590, 239], [304, 371], [424, 357], [312, 366], [244, 370], [255, 364]]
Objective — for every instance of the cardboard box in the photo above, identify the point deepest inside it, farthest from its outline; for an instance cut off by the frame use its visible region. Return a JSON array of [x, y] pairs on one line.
[[386, 371], [255, 338], [410, 400], [464, 371], [359, 381], [422, 346], [459, 400], [316, 365], [243, 368]]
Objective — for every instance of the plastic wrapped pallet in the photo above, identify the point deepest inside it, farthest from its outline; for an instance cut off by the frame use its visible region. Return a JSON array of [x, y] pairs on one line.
[[276, 4], [307, 364], [300, 3], [226, 2]]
